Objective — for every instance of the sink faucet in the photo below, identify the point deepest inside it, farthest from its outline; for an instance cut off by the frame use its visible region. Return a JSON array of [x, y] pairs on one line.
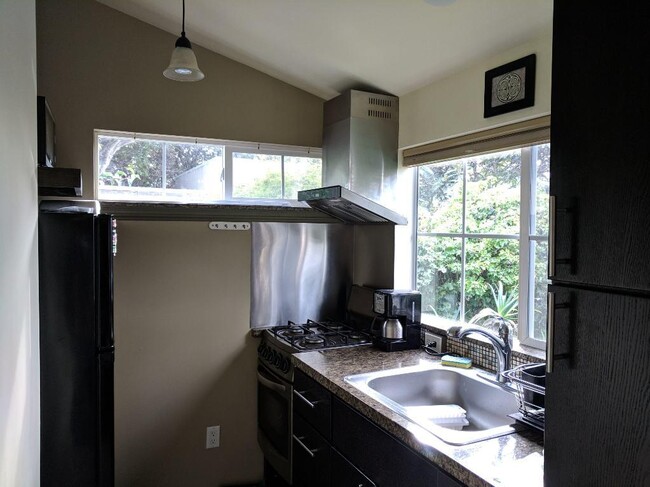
[[502, 345]]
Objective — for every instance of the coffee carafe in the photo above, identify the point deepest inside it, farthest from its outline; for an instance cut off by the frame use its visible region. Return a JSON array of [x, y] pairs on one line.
[[398, 313]]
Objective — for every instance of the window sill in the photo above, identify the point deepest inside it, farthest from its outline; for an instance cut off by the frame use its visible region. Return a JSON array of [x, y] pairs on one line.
[[244, 210], [522, 352]]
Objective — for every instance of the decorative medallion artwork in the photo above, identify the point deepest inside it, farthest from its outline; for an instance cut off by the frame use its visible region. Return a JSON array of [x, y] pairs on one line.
[[510, 87]]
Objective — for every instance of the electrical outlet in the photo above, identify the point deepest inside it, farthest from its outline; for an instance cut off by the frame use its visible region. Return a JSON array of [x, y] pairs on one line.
[[212, 437], [434, 342]]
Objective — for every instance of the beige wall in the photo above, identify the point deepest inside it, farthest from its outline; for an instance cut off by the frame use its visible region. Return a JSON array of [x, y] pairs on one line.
[[184, 359], [101, 69], [19, 364], [454, 105]]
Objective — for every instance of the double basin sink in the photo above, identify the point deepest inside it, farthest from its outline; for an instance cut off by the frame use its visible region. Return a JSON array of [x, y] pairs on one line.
[[413, 391]]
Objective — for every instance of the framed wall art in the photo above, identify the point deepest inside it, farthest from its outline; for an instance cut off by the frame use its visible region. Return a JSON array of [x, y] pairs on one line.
[[510, 87]]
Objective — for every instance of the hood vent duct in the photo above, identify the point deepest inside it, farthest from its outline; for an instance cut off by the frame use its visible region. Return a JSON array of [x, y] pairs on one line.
[[360, 131]]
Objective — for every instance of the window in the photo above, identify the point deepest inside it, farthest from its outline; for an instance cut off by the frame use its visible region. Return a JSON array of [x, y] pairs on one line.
[[482, 225], [181, 169]]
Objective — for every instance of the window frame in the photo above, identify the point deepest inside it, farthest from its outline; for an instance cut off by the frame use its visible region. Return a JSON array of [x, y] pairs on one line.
[[229, 147], [525, 238]]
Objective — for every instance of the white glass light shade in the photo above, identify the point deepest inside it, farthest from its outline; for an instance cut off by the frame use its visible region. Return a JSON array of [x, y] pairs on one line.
[[183, 66]]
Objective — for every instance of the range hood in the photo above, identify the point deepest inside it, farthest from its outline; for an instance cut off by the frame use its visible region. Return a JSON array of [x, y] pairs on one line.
[[360, 132]]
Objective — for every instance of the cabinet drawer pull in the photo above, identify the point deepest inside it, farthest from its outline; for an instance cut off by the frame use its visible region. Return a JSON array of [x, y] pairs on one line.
[[312, 453], [305, 400]]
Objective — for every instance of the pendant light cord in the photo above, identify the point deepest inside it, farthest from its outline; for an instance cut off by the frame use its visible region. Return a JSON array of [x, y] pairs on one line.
[[183, 31]]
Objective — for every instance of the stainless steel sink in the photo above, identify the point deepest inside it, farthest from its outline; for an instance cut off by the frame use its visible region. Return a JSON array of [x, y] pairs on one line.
[[408, 390]]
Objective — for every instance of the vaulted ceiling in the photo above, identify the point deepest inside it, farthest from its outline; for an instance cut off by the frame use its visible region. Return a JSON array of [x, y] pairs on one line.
[[327, 46]]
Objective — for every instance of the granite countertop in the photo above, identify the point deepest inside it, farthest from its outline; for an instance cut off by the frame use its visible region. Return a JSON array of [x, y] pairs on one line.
[[512, 460]]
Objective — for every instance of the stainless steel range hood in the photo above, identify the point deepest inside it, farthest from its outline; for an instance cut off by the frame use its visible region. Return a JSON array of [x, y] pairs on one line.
[[360, 131]]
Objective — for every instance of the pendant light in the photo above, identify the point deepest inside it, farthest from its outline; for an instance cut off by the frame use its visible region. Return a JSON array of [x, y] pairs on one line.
[[183, 66]]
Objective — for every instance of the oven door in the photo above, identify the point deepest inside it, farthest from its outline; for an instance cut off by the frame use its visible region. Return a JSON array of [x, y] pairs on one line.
[[274, 422]]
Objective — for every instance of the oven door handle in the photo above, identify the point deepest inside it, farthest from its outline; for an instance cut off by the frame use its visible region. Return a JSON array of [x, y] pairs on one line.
[[271, 384]]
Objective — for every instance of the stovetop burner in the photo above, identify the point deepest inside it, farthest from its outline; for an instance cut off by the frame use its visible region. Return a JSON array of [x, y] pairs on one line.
[[319, 335]]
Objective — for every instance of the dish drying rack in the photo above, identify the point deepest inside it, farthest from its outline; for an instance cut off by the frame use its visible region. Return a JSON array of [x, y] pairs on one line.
[[529, 395]]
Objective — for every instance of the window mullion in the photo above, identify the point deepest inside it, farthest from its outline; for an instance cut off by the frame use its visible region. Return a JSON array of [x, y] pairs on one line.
[[463, 258], [228, 176], [525, 219], [282, 177], [164, 168]]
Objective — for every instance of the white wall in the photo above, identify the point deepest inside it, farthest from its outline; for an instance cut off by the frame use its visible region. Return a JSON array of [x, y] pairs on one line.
[[454, 105], [19, 366]]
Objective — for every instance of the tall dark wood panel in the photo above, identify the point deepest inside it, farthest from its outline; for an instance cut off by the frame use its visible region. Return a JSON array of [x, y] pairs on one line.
[[598, 405], [600, 162], [598, 394]]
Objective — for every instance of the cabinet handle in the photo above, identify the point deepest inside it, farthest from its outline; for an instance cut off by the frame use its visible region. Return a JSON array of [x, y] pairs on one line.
[[550, 336], [553, 210], [312, 453], [551, 238], [305, 400]]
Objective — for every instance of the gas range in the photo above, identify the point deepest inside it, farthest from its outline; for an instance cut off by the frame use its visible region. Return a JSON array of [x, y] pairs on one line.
[[279, 342]]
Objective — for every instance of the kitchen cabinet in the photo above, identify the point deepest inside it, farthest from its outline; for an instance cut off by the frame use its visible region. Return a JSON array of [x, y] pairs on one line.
[[358, 452], [600, 173], [311, 465], [598, 399], [597, 429]]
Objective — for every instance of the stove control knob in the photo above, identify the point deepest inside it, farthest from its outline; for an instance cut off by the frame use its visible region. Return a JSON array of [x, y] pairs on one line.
[[277, 360], [285, 365], [264, 352]]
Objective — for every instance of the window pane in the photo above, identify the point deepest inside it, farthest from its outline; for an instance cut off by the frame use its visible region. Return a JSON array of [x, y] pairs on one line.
[[493, 193], [194, 171], [440, 197], [542, 154], [438, 275], [301, 173], [539, 258], [256, 175], [129, 168], [488, 262]]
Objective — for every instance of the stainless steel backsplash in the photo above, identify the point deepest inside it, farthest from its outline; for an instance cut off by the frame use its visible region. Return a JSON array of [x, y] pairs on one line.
[[300, 271]]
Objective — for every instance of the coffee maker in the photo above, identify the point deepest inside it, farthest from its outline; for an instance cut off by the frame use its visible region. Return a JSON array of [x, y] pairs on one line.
[[397, 319]]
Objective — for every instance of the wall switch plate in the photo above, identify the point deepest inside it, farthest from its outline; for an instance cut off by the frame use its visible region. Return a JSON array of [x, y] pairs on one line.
[[434, 342], [212, 437]]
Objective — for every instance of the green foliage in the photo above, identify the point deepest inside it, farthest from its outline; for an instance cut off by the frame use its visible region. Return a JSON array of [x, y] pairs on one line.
[[504, 311]]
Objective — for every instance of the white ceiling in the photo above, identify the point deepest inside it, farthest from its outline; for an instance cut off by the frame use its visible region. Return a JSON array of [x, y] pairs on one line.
[[327, 46]]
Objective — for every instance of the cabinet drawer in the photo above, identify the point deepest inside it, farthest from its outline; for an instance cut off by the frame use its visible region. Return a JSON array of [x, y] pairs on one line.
[[380, 456], [313, 402], [346, 474], [311, 456]]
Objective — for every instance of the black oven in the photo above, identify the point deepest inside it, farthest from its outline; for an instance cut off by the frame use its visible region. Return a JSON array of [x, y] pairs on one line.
[[275, 420], [275, 382]]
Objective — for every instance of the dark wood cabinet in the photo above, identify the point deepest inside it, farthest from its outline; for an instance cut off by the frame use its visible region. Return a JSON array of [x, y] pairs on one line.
[[378, 455], [334, 445], [598, 396], [344, 474], [600, 168], [597, 430], [311, 456]]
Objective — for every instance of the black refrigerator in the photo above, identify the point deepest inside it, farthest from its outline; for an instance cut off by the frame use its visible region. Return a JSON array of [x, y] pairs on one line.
[[76, 248]]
